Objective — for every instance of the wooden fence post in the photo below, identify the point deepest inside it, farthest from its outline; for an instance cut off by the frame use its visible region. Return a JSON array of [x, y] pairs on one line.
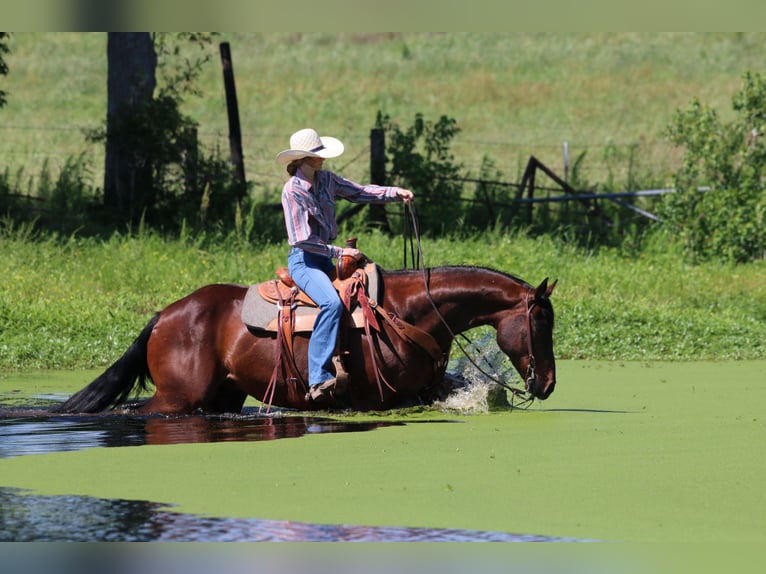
[[528, 179], [190, 162], [378, 156], [378, 215], [235, 134]]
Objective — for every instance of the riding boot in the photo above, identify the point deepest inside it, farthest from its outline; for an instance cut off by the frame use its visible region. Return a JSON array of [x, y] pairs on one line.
[[325, 393], [341, 375]]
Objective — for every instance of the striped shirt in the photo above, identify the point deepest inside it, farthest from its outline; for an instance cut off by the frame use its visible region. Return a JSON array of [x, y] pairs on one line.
[[310, 209]]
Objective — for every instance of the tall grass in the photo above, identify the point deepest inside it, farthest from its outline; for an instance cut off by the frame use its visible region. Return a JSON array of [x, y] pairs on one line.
[[69, 302]]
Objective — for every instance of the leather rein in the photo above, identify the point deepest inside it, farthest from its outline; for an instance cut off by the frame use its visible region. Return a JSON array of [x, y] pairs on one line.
[[523, 396], [355, 292]]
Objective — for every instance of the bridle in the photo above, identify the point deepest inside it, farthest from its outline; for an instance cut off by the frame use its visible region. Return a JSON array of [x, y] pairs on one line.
[[531, 375], [519, 398]]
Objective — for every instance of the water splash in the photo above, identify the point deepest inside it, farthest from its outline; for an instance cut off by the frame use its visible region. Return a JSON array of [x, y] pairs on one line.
[[473, 391]]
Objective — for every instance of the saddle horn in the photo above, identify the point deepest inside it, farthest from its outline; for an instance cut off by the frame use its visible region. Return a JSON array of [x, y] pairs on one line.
[[347, 264]]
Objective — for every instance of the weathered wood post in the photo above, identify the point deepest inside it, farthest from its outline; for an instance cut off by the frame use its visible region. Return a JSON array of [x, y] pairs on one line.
[[378, 175], [528, 180], [191, 161], [378, 156], [235, 133]]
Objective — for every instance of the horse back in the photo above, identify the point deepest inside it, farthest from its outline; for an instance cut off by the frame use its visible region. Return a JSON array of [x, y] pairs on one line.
[[208, 316]]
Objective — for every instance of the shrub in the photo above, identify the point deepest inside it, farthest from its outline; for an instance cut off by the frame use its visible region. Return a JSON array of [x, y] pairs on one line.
[[719, 208], [421, 159]]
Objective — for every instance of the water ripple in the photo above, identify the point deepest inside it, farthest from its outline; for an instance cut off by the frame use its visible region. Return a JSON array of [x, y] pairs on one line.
[[39, 432], [34, 518]]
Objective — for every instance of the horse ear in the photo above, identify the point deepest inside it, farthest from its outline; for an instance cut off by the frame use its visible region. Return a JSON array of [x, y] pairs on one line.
[[550, 288], [542, 289]]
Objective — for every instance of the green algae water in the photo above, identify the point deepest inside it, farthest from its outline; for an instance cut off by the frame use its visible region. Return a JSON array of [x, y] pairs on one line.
[[620, 452]]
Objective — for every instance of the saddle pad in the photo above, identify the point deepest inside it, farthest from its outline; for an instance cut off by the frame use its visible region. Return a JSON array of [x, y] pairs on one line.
[[259, 314]]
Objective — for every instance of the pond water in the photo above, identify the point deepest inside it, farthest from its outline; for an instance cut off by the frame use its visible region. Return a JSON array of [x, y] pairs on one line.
[[28, 429], [34, 431], [27, 517]]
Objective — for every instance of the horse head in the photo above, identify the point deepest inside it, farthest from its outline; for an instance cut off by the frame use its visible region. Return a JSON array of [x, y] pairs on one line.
[[525, 334]]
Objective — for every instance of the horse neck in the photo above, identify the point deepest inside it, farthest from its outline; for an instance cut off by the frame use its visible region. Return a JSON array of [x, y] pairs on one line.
[[466, 297]]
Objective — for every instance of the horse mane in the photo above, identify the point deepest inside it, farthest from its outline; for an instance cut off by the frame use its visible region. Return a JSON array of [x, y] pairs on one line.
[[513, 278], [544, 303]]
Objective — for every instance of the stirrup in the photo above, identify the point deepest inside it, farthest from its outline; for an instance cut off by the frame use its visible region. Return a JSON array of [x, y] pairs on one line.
[[322, 392]]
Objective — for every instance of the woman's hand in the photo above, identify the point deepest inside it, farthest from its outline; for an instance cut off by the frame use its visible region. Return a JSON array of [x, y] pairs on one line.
[[405, 195], [354, 253], [351, 260]]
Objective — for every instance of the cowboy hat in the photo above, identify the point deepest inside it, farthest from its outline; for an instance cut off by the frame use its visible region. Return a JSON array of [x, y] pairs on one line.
[[307, 143]]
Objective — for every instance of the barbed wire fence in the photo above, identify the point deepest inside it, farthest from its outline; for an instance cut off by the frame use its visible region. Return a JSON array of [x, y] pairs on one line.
[[25, 150]]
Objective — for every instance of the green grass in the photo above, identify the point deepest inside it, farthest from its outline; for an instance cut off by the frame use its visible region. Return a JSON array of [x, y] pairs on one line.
[[78, 303], [512, 94]]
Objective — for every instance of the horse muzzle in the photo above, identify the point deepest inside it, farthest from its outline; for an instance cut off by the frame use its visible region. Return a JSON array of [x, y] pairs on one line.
[[539, 389]]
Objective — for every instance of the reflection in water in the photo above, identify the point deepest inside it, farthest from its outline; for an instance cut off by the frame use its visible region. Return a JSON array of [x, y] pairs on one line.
[[38, 432], [31, 518], [28, 517]]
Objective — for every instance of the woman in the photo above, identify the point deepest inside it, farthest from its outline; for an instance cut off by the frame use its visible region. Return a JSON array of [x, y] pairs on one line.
[[308, 201]]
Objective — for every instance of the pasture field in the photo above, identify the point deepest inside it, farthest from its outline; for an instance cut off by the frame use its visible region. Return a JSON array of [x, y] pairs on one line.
[[610, 94], [649, 453]]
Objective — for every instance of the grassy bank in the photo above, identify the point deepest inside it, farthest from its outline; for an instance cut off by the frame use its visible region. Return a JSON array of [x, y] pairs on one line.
[[78, 303]]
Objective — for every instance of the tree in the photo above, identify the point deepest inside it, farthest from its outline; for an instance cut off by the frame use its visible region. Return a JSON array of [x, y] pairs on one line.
[[151, 156], [131, 80]]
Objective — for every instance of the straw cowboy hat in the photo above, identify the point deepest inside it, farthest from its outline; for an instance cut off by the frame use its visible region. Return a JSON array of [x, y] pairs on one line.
[[307, 143]]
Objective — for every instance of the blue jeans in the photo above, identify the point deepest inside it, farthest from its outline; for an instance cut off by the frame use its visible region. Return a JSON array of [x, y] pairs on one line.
[[310, 273]]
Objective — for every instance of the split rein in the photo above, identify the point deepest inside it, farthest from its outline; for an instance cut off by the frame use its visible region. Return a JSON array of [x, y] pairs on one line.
[[520, 398]]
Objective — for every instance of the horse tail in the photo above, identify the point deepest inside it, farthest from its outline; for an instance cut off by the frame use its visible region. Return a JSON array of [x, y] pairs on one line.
[[115, 384]]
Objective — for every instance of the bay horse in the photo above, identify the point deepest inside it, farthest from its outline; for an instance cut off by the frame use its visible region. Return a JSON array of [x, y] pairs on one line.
[[201, 356]]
